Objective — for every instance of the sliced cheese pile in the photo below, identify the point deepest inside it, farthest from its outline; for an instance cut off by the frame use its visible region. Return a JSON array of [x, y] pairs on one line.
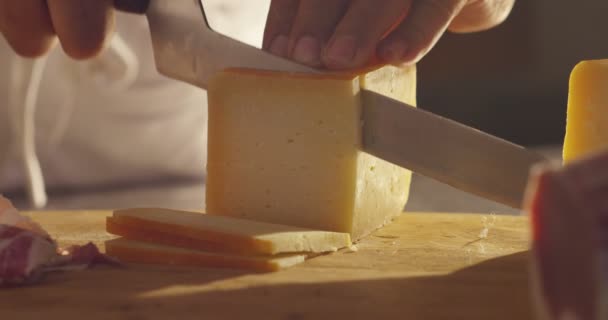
[[284, 161], [147, 253], [587, 119], [285, 148], [153, 235]]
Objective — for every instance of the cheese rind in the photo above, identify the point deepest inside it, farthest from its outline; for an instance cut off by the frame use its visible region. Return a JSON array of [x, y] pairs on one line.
[[285, 149], [218, 233], [587, 115], [147, 253], [382, 188]]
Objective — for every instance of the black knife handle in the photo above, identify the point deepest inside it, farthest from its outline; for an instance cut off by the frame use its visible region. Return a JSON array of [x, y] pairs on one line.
[[132, 6]]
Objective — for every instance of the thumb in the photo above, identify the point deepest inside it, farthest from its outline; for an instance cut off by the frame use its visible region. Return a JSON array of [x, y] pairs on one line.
[[481, 15], [420, 31]]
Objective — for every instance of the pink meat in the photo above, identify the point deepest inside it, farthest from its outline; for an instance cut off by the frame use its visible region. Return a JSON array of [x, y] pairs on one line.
[[22, 254], [568, 208], [27, 251], [10, 216], [82, 257]]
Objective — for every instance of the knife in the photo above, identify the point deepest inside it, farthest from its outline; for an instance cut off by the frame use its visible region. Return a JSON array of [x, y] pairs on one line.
[[187, 49]]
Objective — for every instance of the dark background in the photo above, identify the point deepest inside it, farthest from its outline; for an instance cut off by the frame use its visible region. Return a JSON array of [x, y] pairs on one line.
[[512, 81]]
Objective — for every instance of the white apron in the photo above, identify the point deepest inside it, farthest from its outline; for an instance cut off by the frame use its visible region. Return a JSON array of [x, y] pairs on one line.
[[112, 119]]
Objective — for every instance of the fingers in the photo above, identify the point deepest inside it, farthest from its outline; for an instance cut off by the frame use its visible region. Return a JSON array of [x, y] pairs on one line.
[[278, 26], [27, 26], [481, 15], [82, 25], [312, 28], [420, 31], [354, 41], [345, 34], [338, 34]]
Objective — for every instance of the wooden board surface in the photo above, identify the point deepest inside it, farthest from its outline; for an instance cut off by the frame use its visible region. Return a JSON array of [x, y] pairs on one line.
[[423, 266]]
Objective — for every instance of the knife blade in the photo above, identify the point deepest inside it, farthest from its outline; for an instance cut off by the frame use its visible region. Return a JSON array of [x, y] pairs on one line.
[[445, 150], [187, 49]]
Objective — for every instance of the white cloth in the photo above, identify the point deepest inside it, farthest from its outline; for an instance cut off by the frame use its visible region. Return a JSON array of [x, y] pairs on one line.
[[114, 119], [90, 133]]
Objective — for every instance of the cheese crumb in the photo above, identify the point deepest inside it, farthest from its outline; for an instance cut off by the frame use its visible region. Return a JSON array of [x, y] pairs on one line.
[[483, 234], [352, 248]]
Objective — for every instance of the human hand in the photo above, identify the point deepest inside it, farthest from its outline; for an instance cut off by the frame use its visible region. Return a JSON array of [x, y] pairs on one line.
[[31, 27], [343, 34]]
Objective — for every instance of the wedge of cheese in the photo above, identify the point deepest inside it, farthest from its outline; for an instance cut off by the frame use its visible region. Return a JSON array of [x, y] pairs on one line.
[[285, 148], [147, 253], [587, 118], [192, 230]]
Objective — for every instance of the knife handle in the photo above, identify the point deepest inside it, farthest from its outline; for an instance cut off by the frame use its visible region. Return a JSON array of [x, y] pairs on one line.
[[132, 6]]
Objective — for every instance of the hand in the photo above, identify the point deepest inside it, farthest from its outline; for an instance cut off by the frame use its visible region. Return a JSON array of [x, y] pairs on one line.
[[31, 27], [343, 34]]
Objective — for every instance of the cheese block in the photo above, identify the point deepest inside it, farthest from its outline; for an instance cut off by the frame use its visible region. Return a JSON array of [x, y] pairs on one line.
[[285, 148], [587, 117], [146, 253], [220, 234]]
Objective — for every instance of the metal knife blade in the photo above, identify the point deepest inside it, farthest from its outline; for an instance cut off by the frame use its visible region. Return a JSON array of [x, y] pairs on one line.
[[187, 49], [445, 150]]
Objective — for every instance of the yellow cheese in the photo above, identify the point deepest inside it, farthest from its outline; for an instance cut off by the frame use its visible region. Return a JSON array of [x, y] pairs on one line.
[[285, 149], [587, 119], [211, 233], [146, 253]]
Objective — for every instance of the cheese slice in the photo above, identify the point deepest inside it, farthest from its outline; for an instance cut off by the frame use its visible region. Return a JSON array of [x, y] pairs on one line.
[[146, 253], [587, 117], [285, 148], [220, 234], [133, 229]]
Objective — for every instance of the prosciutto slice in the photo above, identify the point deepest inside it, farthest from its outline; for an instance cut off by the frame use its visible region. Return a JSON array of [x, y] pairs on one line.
[[569, 211], [9, 216], [27, 252]]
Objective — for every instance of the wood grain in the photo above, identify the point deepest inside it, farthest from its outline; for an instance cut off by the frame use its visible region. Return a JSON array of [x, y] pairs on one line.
[[423, 266]]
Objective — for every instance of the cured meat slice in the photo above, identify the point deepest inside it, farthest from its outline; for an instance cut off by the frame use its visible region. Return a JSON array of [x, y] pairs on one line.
[[11, 217], [27, 252], [22, 253], [569, 211]]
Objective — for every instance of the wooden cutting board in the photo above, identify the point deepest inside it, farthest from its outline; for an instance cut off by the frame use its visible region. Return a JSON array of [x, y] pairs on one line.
[[423, 266]]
